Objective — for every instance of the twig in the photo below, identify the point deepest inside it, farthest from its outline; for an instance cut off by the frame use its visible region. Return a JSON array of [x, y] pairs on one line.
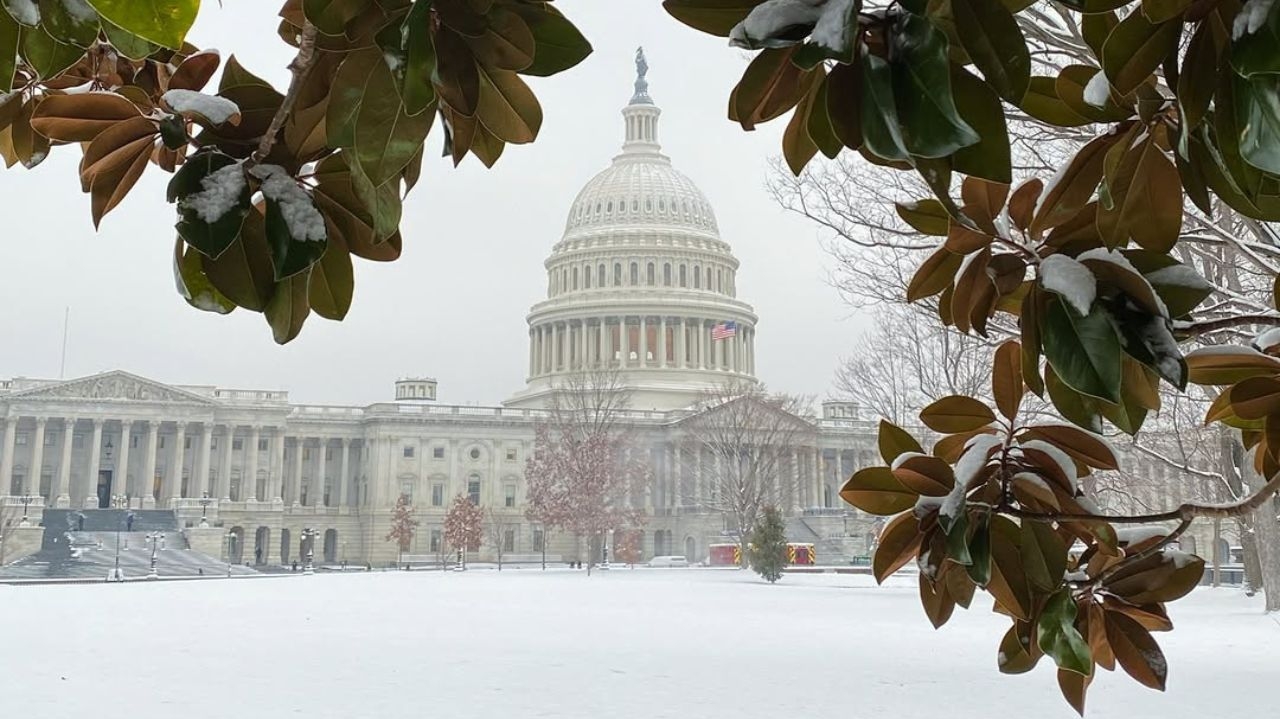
[[1194, 329], [300, 67]]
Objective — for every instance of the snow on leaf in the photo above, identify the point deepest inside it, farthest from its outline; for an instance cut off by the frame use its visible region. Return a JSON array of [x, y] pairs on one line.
[[220, 191], [80, 10], [1097, 91], [216, 110], [305, 222], [1072, 280], [778, 23], [976, 453], [832, 29], [1062, 459], [1268, 339], [1251, 17], [1179, 276], [24, 11], [897, 462]]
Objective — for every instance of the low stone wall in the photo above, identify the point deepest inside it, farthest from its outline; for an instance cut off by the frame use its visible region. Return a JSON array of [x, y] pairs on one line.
[[20, 542]]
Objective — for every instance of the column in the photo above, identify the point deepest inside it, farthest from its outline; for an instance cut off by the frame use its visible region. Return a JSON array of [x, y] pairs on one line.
[[815, 478], [120, 482], [223, 492], [249, 480], [751, 350], [171, 489], [793, 501], [201, 485], [89, 486], [295, 482], [59, 493], [583, 344], [344, 477], [318, 476], [149, 466], [662, 341], [545, 348], [624, 342], [730, 353], [602, 338], [31, 486], [6, 462], [644, 341], [555, 346], [275, 485], [701, 330], [532, 345], [680, 342]]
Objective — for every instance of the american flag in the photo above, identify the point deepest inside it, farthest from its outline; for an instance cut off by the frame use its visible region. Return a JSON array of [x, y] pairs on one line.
[[724, 330]]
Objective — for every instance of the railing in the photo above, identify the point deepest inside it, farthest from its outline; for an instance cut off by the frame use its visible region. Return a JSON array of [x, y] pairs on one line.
[[252, 395], [313, 411]]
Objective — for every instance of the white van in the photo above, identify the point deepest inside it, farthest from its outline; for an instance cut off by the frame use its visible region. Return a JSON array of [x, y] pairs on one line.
[[669, 561]]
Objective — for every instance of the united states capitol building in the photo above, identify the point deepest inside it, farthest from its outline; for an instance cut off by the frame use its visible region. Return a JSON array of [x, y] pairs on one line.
[[638, 281]]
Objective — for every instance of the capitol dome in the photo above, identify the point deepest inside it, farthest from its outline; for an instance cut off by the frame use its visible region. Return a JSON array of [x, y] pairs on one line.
[[641, 281]]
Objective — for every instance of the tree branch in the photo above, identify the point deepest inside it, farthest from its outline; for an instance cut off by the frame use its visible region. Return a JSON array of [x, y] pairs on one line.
[[1194, 329], [300, 67]]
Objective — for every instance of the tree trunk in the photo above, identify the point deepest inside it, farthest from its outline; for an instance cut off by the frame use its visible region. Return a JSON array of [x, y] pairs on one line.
[[1252, 564], [1266, 534], [1217, 553], [744, 559]]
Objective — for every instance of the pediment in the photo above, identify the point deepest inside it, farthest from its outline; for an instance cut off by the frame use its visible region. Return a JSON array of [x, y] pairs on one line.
[[118, 386]]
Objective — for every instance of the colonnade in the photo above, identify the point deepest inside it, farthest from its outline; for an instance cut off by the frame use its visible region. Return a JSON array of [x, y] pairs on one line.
[[638, 341]]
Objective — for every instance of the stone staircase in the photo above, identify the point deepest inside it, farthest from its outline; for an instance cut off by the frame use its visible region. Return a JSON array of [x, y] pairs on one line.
[[71, 553]]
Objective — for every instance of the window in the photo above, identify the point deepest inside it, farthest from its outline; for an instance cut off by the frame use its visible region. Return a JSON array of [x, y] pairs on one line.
[[473, 489], [408, 451], [213, 443], [575, 278], [683, 280], [133, 441], [161, 442], [22, 439], [708, 278], [617, 274], [475, 453], [186, 443], [49, 439], [508, 540], [437, 494], [635, 274], [262, 445], [236, 444], [435, 540], [512, 455], [437, 452], [600, 276], [586, 278], [666, 274], [306, 454], [538, 540], [649, 275], [697, 278], [406, 490], [509, 496]]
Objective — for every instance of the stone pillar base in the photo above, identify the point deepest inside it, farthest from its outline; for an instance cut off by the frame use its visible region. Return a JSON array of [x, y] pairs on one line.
[[90, 503], [148, 502], [62, 502]]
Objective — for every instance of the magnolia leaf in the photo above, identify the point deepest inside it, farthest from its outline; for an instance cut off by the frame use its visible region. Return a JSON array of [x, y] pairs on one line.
[[194, 225], [1136, 651], [193, 285], [931, 125], [1044, 555], [80, 117], [898, 544], [1084, 350], [876, 491], [994, 42], [48, 56], [1057, 635], [716, 17], [243, 273], [559, 45], [1224, 365], [936, 600], [1135, 49], [1018, 654], [1257, 107], [956, 413], [922, 474], [386, 136], [894, 441], [1006, 379], [926, 216], [1081, 445], [289, 307], [164, 22], [332, 282], [420, 60]]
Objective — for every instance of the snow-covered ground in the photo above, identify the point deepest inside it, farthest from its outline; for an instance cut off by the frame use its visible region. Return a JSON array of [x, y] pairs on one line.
[[626, 644]]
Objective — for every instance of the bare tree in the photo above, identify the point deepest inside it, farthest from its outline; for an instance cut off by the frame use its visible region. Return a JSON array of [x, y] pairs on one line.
[[743, 441], [497, 533], [403, 526], [582, 474]]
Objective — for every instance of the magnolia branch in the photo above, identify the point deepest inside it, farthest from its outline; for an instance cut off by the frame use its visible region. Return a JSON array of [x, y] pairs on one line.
[[299, 67], [1195, 329]]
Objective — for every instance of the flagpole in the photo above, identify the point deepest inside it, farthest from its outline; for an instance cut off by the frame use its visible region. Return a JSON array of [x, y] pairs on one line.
[[66, 321]]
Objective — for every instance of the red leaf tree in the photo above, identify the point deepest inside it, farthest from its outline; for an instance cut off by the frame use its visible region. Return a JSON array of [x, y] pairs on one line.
[[464, 524], [583, 476], [403, 526]]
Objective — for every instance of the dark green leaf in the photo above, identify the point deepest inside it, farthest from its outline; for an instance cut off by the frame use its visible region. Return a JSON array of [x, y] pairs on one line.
[[331, 16], [880, 129], [195, 288], [821, 126], [80, 28], [10, 32], [47, 56], [332, 282], [1044, 555], [244, 273], [128, 44], [1041, 101], [289, 256], [164, 22], [957, 539], [1257, 107], [1161, 10], [980, 108], [995, 44], [386, 136], [289, 307], [921, 80], [980, 551], [1135, 49], [1058, 638], [716, 17], [420, 60], [1084, 351], [211, 238], [558, 43], [1255, 52]]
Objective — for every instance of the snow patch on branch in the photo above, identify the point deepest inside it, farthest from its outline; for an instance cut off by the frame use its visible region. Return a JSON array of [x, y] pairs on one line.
[[305, 222], [1251, 17], [220, 191], [1072, 280], [211, 107]]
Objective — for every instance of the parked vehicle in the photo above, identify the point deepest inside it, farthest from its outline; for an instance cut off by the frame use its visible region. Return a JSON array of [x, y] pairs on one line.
[[669, 561]]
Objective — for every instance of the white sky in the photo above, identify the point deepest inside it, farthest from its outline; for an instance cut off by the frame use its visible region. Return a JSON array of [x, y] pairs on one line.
[[453, 306]]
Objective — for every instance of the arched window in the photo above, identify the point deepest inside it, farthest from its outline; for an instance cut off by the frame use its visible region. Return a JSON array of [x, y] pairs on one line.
[[597, 208], [683, 279], [720, 280], [648, 205], [617, 274], [666, 274], [697, 278], [662, 205], [635, 205], [609, 209], [600, 276], [649, 275], [635, 274], [586, 277], [708, 278], [575, 278]]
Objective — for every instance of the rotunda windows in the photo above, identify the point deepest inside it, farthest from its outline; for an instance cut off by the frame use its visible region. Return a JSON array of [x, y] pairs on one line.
[[684, 280], [666, 274], [600, 275], [649, 275], [635, 205], [635, 274], [697, 278], [610, 207]]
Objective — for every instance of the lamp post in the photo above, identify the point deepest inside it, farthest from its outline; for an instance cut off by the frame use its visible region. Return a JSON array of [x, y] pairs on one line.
[[117, 501], [230, 537], [155, 538], [204, 509], [309, 537], [26, 502]]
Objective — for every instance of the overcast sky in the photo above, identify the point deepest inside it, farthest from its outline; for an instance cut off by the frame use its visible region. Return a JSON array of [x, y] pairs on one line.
[[453, 307]]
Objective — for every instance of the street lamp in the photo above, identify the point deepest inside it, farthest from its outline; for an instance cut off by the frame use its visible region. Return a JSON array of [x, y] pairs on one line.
[[26, 502], [204, 509], [155, 538], [118, 500], [309, 537]]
